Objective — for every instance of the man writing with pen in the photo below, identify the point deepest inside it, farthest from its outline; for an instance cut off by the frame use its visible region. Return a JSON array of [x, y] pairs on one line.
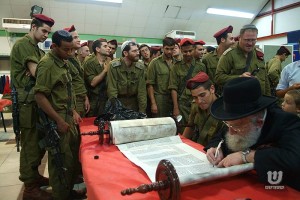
[[258, 132]]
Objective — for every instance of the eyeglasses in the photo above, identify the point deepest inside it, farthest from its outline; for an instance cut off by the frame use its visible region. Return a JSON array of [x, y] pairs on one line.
[[250, 40], [238, 128]]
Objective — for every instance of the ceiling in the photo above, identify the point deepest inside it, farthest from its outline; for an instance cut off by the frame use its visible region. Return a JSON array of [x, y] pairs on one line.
[[137, 18]]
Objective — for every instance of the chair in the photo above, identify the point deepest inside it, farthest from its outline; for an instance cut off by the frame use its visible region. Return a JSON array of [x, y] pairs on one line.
[[3, 104]]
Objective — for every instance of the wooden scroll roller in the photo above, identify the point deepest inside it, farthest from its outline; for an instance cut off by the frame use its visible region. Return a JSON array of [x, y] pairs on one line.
[[167, 183]]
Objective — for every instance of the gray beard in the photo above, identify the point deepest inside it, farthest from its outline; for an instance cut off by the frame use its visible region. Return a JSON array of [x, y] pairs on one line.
[[240, 143]]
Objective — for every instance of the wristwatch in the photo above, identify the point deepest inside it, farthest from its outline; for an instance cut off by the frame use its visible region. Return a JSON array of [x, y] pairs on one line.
[[244, 154]]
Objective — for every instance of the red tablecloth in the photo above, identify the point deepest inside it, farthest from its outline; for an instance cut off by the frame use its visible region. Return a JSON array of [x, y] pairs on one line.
[[112, 172], [4, 103]]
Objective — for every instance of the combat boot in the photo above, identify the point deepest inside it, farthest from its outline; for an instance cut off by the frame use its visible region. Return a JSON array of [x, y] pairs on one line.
[[42, 181], [33, 192]]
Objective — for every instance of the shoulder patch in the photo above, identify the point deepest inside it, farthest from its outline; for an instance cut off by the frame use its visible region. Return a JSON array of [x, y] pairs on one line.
[[259, 54], [139, 65], [116, 63], [225, 52]]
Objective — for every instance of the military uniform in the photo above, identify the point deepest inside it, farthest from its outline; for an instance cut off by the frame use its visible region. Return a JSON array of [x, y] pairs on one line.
[[54, 81], [78, 84], [210, 61], [205, 125], [25, 50], [97, 95], [178, 82], [127, 83], [158, 76], [232, 64], [274, 70]]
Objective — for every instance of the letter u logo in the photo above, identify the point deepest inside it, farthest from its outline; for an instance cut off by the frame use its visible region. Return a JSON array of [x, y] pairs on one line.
[[274, 177]]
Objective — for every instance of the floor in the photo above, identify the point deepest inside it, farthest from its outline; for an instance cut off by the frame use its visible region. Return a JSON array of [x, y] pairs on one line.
[[11, 188]]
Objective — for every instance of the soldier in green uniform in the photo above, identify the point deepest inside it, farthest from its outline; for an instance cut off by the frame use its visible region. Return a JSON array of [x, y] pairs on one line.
[[95, 72], [274, 67], [126, 79], [146, 56], [56, 97], [113, 45], [201, 125], [158, 80], [244, 60], [199, 50], [224, 40], [83, 52], [25, 55], [177, 55], [180, 73], [82, 100]]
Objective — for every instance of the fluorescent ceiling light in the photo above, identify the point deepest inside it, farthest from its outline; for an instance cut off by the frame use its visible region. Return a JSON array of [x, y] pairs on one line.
[[109, 1], [229, 13]]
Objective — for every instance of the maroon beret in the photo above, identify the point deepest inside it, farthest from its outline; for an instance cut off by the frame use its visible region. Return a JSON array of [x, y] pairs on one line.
[[201, 77], [84, 44], [236, 38], [113, 41], [177, 40], [284, 50], [223, 31], [70, 29], [201, 42], [44, 18], [156, 48], [186, 41]]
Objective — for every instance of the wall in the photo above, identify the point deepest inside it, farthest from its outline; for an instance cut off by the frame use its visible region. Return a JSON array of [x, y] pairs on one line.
[[283, 21]]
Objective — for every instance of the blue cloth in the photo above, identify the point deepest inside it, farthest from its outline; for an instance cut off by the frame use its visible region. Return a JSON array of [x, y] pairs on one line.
[[289, 76]]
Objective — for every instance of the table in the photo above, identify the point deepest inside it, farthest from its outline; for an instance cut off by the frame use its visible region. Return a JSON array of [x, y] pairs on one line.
[[112, 172]]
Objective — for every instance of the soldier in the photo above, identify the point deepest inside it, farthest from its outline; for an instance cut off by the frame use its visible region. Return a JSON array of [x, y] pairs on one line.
[[126, 79], [180, 73], [83, 52], [201, 125], [244, 60], [158, 80], [274, 67], [199, 50], [25, 55], [95, 70], [177, 55], [155, 51], [224, 40], [113, 45], [82, 100], [146, 56], [55, 96]]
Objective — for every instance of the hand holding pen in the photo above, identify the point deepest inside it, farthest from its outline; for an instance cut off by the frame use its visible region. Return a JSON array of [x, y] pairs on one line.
[[218, 150]]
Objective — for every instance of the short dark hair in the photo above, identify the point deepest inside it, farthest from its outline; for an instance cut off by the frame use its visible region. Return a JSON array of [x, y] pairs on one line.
[[206, 85], [128, 47], [248, 27], [40, 23], [168, 41], [97, 43], [223, 35], [144, 45], [113, 42], [61, 35], [283, 50]]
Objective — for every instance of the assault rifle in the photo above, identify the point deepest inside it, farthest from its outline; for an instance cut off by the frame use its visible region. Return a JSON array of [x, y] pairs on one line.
[[51, 143], [15, 116]]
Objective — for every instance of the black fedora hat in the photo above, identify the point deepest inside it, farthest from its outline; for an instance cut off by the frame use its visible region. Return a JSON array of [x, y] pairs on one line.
[[241, 97]]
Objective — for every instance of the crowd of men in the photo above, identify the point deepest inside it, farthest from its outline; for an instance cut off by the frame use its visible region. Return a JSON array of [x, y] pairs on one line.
[[179, 78]]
